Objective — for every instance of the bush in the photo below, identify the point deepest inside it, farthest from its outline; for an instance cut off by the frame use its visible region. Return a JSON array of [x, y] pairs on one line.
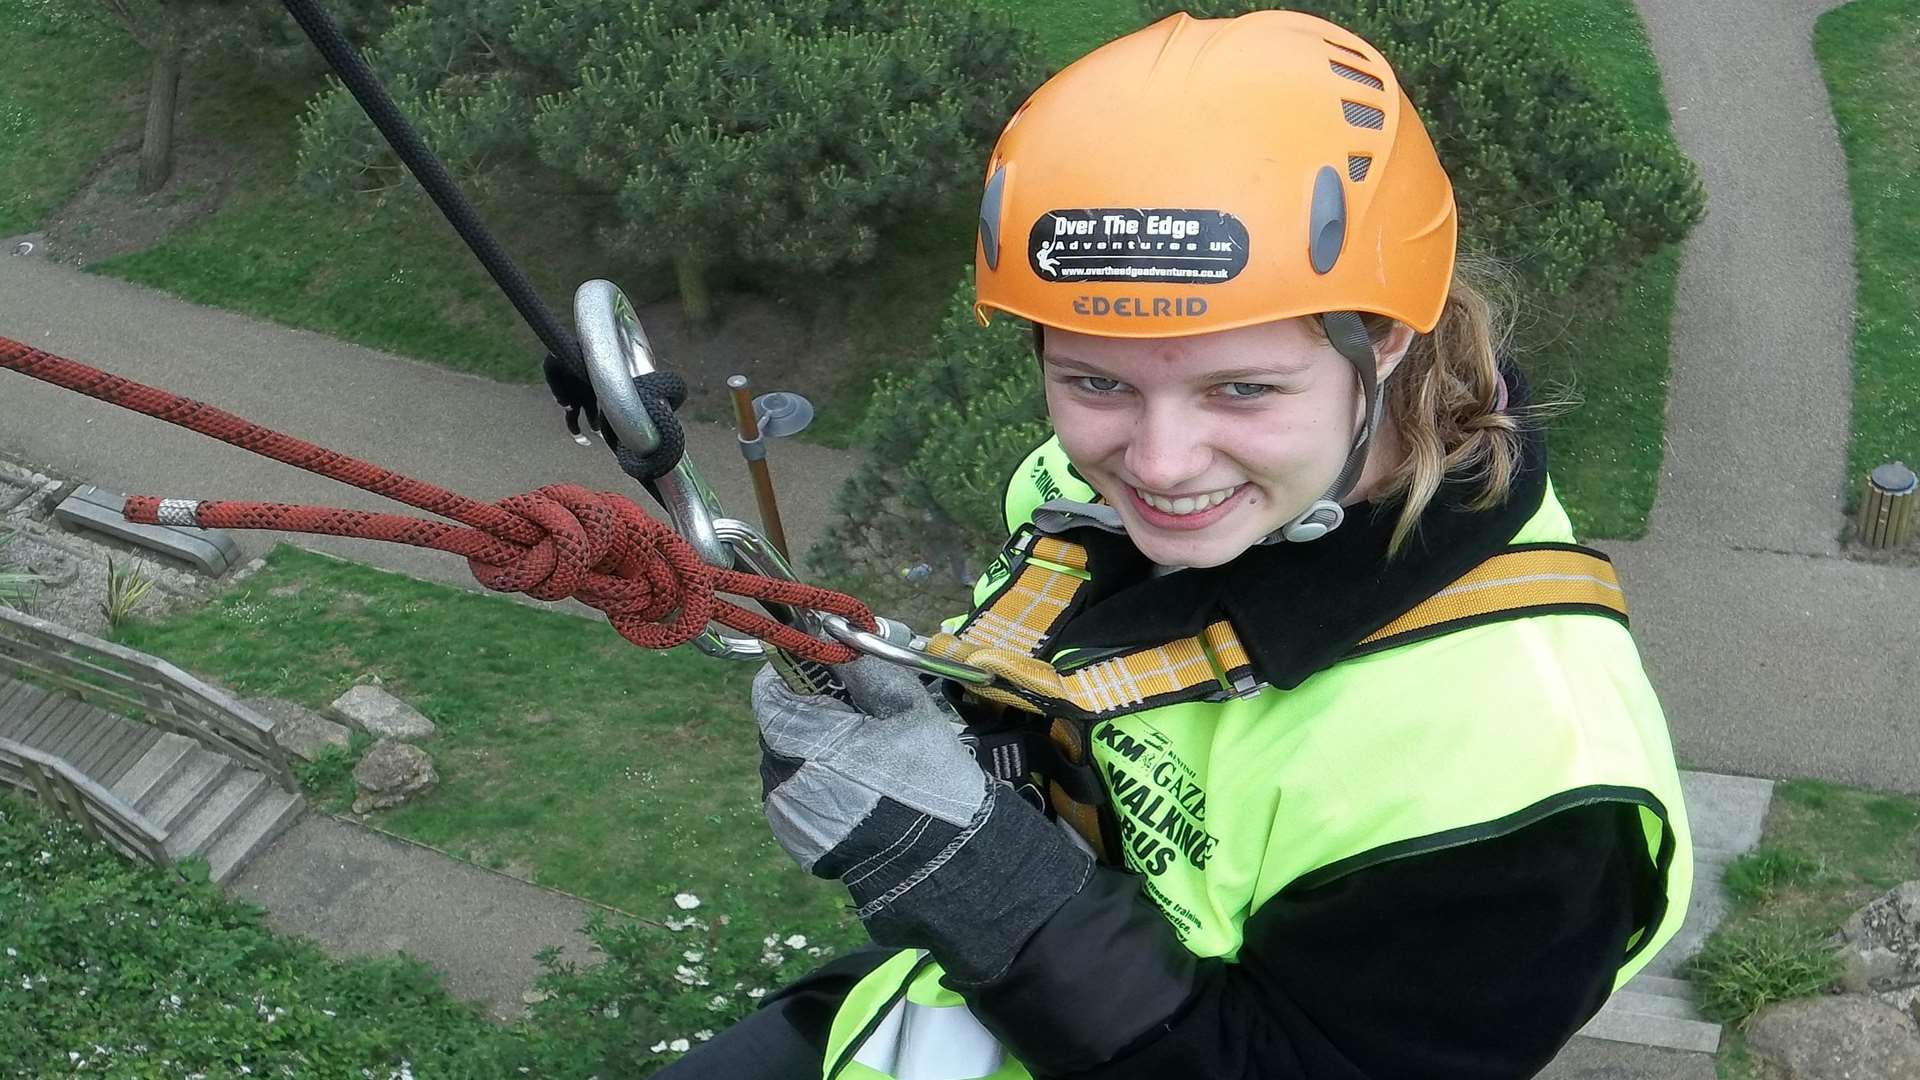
[[724, 131], [944, 434], [1550, 179]]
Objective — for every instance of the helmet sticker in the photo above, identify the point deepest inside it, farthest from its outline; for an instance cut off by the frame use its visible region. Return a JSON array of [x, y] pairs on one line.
[[1186, 247]]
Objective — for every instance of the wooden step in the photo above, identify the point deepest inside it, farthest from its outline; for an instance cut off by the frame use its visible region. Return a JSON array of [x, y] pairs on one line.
[[152, 767], [70, 728], [181, 793], [127, 754], [250, 833], [106, 729], [234, 796], [39, 722]]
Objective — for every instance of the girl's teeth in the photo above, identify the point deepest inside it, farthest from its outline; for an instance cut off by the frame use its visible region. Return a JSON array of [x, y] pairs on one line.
[[1186, 504]]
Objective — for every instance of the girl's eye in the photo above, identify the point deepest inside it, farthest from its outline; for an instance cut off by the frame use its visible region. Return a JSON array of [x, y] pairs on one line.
[[1094, 384], [1246, 389]]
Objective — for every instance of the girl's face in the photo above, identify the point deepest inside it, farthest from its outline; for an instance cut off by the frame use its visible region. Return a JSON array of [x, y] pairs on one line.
[[1206, 444]]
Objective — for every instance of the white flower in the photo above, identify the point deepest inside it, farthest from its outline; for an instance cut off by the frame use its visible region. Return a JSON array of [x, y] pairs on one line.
[[686, 901], [797, 941], [719, 1002], [679, 1046], [770, 941], [815, 951], [694, 956], [703, 1034], [11, 951], [677, 925], [757, 993], [26, 983], [611, 1012], [685, 974], [660, 1047]]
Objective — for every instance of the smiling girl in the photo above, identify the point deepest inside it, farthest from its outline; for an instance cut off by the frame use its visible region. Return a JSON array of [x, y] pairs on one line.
[[1321, 749]]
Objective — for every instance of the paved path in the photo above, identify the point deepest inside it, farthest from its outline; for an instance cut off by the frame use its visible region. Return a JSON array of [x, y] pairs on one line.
[[480, 438], [358, 893]]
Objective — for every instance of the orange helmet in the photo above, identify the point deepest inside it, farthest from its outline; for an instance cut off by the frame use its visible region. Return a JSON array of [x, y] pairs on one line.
[[1207, 174]]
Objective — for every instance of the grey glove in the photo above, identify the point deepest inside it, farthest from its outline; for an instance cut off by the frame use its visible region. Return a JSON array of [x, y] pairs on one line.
[[886, 799]]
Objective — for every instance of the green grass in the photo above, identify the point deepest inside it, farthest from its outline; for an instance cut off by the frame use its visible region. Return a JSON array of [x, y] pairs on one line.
[[1866, 52], [1069, 29], [1612, 357], [1826, 851], [566, 754], [385, 273], [54, 125]]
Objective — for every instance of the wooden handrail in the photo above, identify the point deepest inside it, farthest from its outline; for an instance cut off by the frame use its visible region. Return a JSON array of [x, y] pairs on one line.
[[101, 814], [153, 690]]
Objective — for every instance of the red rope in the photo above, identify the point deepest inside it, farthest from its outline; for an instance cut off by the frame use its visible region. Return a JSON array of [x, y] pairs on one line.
[[556, 542]]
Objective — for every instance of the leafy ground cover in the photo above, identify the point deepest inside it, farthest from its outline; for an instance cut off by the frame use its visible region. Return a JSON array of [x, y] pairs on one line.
[[1825, 852], [53, 125], [119, 969], [1866, 52], [567, 756]]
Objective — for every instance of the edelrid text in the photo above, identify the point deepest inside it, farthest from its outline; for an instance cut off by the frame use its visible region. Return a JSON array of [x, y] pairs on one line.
[[1140, 306]]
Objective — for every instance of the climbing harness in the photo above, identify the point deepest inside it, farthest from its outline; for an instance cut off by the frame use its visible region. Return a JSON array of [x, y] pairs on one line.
[[1048, 581]]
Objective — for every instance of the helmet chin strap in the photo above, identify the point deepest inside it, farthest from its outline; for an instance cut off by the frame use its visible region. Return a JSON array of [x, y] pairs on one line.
[[1348, 335]]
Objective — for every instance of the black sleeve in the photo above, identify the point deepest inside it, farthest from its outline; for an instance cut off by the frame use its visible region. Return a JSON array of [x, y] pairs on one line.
[[1477, 961]]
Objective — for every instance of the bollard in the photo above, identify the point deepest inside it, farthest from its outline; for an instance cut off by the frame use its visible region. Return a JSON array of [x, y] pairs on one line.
[[1886, 514]]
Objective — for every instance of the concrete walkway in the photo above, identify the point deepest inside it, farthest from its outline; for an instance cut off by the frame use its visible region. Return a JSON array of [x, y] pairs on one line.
[[356, 892]]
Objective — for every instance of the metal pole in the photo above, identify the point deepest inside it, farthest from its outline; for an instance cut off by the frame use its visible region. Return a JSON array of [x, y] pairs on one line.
[[754, 449]]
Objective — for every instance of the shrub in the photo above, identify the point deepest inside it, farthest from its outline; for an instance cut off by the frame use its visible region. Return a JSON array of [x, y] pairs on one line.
[[1550, 179], [944, 433], [724, 131]]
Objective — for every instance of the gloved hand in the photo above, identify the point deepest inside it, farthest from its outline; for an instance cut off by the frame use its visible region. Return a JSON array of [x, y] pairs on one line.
[[883, 797]]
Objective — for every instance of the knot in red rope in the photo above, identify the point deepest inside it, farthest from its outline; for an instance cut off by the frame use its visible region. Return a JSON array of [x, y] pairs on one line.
[[604, 551]]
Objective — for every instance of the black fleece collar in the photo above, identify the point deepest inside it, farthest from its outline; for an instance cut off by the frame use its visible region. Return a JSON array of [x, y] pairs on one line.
[[1300, 607]]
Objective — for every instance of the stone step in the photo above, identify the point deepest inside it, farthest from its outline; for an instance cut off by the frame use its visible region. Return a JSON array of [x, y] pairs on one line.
[[250, 833], [1725, 812], [153, 767], [1643, 1019], [180, 793], [235, 795], [1660, 986]]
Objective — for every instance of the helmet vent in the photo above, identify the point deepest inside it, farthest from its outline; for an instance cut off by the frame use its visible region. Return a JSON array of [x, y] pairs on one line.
[[1365, 116], [1356, 75], [1348, 49], [1357, 166]]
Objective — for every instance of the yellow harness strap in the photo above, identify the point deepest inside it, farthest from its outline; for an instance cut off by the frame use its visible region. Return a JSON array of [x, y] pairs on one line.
[[1009, 633]]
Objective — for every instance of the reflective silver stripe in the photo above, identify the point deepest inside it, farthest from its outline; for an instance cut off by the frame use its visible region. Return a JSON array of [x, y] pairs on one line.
[[931, 1042], [1525, 579], [179, 512]]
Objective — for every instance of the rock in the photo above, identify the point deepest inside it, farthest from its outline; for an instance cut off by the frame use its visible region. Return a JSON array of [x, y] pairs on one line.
[[299, 731], [390, 774], [1880, 943], [1850, 1037], [381, 715]]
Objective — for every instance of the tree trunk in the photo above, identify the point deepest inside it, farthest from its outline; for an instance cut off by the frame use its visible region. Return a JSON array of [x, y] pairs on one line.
[[163, 91], [695, 301]]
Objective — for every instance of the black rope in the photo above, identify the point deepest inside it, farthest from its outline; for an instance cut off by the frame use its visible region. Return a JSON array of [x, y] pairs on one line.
[[426, 167], [565, 371]]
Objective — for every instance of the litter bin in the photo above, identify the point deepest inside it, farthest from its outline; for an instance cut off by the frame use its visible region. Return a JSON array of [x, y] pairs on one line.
[[1886, 514]]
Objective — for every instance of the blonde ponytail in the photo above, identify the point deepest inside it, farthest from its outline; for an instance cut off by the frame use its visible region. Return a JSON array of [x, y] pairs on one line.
[[1447, 402]]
